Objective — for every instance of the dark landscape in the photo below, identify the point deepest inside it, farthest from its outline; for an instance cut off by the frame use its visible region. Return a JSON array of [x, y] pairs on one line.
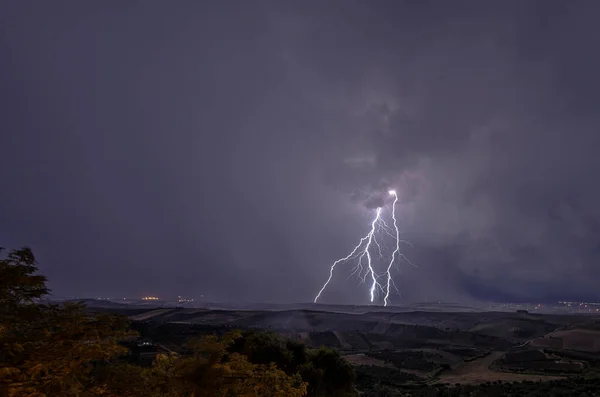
[[407, 352]]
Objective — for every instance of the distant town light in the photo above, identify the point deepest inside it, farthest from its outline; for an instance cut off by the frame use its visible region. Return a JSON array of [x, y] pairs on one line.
[[181, 299]]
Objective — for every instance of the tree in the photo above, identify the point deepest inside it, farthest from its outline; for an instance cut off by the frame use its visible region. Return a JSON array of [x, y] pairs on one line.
[[214, 371], [325, 371], [266, 348], [210, 371], [49, 350], [19, 283], [328, 374]]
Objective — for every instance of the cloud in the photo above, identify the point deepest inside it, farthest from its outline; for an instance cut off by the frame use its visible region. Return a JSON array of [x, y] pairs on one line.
[[473, 129], [236, 152]]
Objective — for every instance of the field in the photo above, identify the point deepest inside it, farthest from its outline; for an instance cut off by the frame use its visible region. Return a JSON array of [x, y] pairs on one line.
[[410, 350]]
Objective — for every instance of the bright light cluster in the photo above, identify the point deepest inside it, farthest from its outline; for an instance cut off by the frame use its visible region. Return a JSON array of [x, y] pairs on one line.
[[364, 262]]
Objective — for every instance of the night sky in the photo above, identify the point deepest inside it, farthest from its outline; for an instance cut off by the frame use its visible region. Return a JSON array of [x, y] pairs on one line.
[[234, 149]]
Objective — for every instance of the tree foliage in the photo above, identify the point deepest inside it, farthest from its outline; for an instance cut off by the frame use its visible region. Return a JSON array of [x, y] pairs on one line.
[[213, 371], [45, 349], [19, 283], [325, 371], [210, 371], [51, 350]]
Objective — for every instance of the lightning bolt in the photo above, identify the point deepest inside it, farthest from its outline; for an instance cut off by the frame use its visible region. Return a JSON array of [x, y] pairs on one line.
[[366, 252], [388, 272], [360, 254]]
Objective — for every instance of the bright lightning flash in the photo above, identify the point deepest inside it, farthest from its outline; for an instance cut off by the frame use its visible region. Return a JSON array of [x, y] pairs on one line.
[[361, 253], [396, 251]]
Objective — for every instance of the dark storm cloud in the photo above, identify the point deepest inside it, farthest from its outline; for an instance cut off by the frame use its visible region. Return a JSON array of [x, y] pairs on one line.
[[234, 149], [483, 127]]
